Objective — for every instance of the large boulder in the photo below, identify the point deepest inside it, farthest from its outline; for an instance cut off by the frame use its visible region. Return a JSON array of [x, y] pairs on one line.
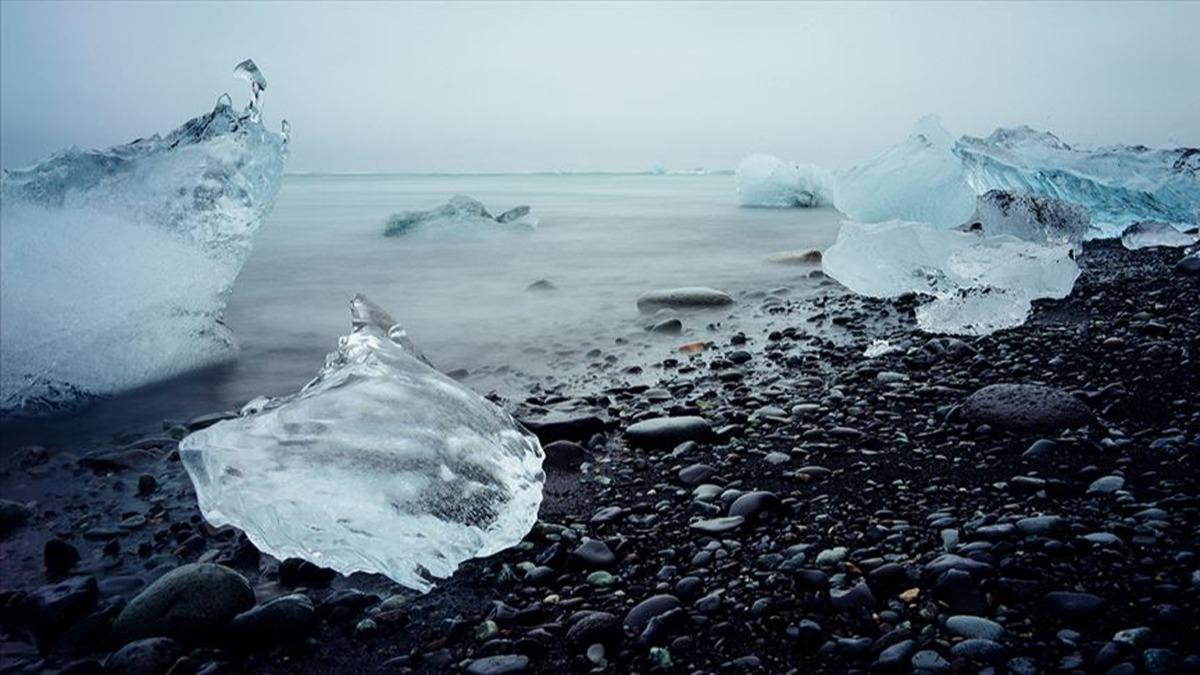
[[192, 603], [1026, 407]]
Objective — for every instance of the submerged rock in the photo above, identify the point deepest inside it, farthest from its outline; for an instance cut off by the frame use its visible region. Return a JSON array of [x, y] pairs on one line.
[[380, 464], [806, 257]]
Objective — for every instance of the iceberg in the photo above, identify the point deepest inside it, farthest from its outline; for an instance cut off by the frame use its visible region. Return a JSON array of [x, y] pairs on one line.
[[1119, 184], [379, 464], [763, 180], [918, 180], [979, 283], [1146, 234], [461, 214], [1030, 217], [117, 263]]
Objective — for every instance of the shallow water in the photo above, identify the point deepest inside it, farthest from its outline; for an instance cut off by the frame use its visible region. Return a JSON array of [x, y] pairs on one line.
[[602, 241]]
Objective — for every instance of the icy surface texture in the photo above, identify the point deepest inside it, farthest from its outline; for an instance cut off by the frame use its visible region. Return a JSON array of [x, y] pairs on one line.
[[1149, 233], [1030, 217], [979, 284], [763, 180], [1118, 184], [459, 215], [117, 263], [380, 464], [918, 180]]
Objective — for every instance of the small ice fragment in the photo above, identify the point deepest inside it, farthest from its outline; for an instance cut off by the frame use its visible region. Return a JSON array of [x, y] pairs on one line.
[[380, 464], [1146, 234], [460, 215], [763, 180], [248, 71], [918, 180], [878, 348]]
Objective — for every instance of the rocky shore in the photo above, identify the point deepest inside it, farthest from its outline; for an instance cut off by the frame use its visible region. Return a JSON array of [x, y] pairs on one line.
[[1023, 502]]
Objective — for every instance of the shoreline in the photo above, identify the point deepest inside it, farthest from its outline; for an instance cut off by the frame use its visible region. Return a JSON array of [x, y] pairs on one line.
[[877, 513]]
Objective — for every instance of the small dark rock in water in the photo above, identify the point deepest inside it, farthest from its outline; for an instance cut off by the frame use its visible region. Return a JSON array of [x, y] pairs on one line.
[[13, 515], [666, 432], [295, 572], [1025, 407], [152, 656], [565, 455], [59, 556], [499, 665], [283, 620], [668, 327], [513, 214], [191, 603], [683, 298], [542, 285]]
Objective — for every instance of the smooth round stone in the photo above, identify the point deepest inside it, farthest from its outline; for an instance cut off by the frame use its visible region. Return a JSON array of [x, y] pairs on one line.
[[1106, 485], [718, 525], [696, 474], [668, 327], [808, 256], [187, 603], [831, 556], [1069, 605], [777, 458], [601, 578], [594, 553], [980, 650], [695, 297], [1026, 406], [751, 504], [644, 611], [707, 492], [151, 656], [505, 664], [968, 626], [927, 659], [667, 432], [1039, 524]]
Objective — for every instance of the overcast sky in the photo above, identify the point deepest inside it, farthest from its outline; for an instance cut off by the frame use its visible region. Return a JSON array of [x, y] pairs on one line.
[[493, 87]]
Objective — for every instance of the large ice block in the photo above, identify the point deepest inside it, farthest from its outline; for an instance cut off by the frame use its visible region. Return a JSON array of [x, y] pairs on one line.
[[1033, 218], [1119, 184], [116, 263], [978, 283], [763, 180], [918, 180], [380, 464]]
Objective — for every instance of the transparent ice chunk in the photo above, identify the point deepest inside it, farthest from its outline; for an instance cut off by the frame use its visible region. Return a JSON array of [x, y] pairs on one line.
[[918, 180], [1146, 234], [460, 215], [380, 464], [117, 263], [978, 284], [1030, 217], [763, 180]]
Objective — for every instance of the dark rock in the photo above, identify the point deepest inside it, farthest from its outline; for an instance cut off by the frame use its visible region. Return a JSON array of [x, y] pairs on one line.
[[1069, 605], [59, 556], [594, 627], [640, 615], [192, 603], [505, 664], [286, 619], [696, 474], [667, 432], [558, 426], [565, 455], [13, 515], [54, 608], [1026, 407], [152, 656], [753, 504], [594, 553], [295, 572]]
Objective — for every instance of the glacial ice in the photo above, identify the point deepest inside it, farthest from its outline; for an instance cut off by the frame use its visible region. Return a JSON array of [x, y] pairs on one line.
[[116, 263], [459, 215], [979, 283], [1119, 184], [379, 464], [1030, 217], [919, 180], [1148, 233], [763, 180]]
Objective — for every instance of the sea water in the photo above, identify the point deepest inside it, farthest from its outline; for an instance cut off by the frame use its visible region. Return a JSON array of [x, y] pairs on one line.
[[603, 239]]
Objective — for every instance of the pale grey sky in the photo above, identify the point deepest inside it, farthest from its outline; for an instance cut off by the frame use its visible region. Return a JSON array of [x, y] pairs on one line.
[[532, 86]]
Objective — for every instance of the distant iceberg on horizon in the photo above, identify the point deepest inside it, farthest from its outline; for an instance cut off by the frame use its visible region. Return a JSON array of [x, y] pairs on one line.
[[117, 263]]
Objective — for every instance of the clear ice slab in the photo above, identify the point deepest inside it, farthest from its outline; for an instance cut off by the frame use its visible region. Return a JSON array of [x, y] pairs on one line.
[[117, 263], [1118, 184], [1033, 218], [919, 180], [1146, 234], [978, 283], [380, 464], [763, 180]]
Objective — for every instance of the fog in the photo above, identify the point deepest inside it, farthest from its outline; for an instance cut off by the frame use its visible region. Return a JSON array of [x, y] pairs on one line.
[[540, 86]]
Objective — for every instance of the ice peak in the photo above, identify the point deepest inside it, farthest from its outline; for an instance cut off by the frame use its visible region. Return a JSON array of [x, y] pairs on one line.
[[247, 70]]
